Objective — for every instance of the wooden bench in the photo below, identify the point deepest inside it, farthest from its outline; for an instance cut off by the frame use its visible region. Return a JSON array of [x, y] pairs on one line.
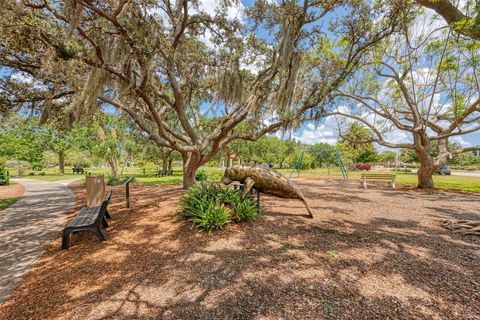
[[162, 173], [387, 177], [88, 219], [78, 170]]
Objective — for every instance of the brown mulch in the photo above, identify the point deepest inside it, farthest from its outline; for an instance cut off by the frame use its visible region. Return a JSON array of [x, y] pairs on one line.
[[368, 254], [13, 190]]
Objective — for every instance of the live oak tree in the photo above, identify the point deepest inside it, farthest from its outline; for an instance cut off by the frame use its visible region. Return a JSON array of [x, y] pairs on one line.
[[425, 89], [192, 80]]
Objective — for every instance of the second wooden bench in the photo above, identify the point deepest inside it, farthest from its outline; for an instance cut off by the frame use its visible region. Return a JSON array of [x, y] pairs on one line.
[[387, 177]]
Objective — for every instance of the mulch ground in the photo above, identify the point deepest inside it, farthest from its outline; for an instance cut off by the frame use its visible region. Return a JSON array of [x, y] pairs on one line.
[[14, 190], [368, 254]]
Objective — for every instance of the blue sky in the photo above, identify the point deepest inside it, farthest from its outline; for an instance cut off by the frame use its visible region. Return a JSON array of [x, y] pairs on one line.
[[326, 130]]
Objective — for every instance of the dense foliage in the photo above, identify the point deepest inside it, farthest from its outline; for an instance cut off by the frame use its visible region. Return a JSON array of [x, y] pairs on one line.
[[210, 207], [4, 179]]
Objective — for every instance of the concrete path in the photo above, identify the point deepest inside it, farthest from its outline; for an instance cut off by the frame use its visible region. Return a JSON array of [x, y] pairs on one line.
[[24, 227], [466, 173]]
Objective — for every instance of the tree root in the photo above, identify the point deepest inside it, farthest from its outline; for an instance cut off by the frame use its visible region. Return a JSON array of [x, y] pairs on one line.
[[465, 227]]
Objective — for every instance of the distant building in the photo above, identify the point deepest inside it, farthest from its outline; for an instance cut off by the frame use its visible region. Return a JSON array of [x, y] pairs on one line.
[[476, 153]]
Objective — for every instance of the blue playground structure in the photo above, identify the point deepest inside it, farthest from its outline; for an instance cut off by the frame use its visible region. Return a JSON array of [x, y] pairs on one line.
[[298, 162]]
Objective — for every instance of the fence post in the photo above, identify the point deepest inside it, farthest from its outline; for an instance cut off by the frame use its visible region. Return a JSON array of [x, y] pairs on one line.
[[127, 194], [127, 191]]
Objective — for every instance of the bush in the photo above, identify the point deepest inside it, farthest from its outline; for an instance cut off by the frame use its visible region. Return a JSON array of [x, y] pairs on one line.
[[201, 175], [4, 178], [37, 166], [211, 217], [114, 181], [364, 166], [210, 207], [41, 173]]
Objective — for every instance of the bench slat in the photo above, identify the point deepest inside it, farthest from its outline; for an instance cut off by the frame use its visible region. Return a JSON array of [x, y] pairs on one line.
[[85, 217]]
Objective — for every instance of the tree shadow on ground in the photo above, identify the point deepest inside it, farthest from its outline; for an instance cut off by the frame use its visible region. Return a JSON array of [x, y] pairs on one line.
[[333, 267]]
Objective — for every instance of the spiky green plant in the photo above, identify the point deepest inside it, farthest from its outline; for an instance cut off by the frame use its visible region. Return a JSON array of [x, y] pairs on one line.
[[210, 207]]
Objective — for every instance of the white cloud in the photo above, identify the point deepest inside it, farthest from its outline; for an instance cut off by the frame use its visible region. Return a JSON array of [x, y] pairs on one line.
[[312, 134], [460, 141], [235, 11], [25, 78]]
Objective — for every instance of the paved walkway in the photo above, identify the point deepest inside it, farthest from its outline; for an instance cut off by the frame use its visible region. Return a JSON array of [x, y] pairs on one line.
[[36, 217]]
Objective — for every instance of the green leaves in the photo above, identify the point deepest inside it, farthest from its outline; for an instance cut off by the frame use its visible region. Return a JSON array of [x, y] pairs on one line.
[[209, 207]]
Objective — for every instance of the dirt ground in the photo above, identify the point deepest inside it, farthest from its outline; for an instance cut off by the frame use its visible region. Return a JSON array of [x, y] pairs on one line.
[[13, 190], [367, 254]]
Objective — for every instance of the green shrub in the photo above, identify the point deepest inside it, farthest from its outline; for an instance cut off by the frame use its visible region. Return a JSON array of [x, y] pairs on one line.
[[114, 181], [211, 217], [4, 178], [210, 207], [201, 175], [37, 166]]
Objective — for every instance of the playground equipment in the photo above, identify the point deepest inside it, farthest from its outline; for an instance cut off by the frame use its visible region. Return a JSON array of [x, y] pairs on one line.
[[298, 162]]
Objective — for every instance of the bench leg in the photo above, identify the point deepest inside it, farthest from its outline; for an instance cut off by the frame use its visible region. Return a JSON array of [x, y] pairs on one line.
[[258, 201], [66, 239], [365, 184], [393, 184], [101, 236], [104, 222]]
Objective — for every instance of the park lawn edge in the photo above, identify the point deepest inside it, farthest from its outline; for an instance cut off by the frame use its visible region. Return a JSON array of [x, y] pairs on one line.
[[7, 202]]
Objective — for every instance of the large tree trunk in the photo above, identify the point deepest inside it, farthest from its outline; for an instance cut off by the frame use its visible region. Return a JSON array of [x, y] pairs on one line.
[[164, 162], [61, 161], [426, 170], [425, 177], [191, 162]]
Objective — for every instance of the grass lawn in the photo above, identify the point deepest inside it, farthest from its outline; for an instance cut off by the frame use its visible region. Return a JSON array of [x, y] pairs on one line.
[[410, 179], [5, 203]]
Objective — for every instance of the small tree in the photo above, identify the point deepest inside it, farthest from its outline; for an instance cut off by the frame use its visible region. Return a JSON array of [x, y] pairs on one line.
[[388, 157], [426, 89]]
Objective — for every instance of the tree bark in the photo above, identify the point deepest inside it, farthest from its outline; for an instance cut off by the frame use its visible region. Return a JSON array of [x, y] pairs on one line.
[[425, 178], [191, 162], [452, 15], [426, 170], [164, 162], [114, 167], [61, 161]]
